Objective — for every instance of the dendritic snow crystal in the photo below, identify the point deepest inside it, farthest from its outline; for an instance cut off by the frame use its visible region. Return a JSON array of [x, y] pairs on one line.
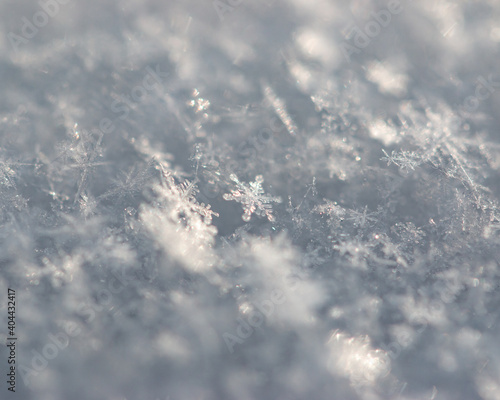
[[252, 198]]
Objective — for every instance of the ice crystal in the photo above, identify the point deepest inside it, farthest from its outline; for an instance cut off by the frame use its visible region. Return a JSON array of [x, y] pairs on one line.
[[361, 218], [406, 160], [252, 197], [181, 198]]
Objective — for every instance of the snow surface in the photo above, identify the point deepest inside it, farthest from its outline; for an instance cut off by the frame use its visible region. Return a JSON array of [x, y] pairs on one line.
[[251, 199]]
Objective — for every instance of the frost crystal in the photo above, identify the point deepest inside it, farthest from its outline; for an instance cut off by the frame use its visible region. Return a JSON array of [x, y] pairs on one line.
[[361, 218], [181, 198], [252, 198], [406, 160]]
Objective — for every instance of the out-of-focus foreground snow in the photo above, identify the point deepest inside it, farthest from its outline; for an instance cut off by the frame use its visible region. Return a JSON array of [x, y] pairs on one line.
[[266, 199]]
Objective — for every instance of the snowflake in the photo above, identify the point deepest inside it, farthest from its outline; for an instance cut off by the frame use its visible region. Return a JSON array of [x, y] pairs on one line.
[[80, 153], [181, 198], [252, 197], [444, 146], [406, 160], [280, 109], [130, 183], [408, 233], [361, 218], [335, 213], [330, 208]]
